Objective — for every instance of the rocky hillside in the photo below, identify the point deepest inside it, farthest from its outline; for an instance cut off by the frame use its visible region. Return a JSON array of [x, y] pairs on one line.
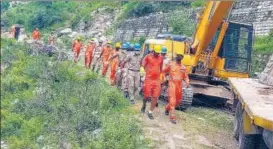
[[257, 13]]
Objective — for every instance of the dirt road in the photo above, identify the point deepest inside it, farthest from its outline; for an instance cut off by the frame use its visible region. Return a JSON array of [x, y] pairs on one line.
[[197, 128]]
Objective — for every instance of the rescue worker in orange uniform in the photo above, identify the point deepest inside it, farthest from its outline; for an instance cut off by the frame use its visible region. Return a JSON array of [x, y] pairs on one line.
[[12, 31], [177, 73], [76, 48], [105, 55], [152, 64], [36, 34], [89, 53], [114, 60]]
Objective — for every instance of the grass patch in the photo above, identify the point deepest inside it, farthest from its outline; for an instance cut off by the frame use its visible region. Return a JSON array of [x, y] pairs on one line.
[[46, 103]]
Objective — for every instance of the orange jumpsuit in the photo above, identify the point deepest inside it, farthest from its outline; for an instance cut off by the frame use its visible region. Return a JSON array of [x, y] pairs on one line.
[[88, 55], [12, 32], [36, 35], [76, 48], [177, 73], [152, 66], [114, 66], [106, 51]]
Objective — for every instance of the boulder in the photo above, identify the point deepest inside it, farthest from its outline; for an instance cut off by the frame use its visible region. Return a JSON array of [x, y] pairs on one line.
[[65, 31], [73, 34], [266, 77]]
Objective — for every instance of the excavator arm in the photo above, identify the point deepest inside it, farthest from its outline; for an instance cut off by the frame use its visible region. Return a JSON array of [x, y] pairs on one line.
[[214, 14]]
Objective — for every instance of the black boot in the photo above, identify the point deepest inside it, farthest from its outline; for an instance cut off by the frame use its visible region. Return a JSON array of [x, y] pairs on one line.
[[143, 106], [150, 115], [126, 94], [166, 112]]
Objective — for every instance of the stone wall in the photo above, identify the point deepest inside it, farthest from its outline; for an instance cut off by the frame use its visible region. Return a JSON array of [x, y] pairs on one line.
[[260, 14]]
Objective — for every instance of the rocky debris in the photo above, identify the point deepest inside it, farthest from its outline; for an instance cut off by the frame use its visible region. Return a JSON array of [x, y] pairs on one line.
[[266, 77], [4, 145], [38, 47], [96, 26], [66, 31], [65, 145]]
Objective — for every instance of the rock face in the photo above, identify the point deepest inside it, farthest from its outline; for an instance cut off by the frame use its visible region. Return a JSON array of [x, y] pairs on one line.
[[148, 26], [259, 13], [100, 21], [266, 76]]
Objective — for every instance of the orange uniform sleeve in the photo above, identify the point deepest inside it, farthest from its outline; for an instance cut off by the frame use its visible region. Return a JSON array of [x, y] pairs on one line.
[[185, 76], [167, 68], [144, 61]]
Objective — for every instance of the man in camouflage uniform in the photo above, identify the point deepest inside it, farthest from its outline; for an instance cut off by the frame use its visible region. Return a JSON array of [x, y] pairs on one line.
[[134, 61], [166, 61], [96, 59], [119, 72]]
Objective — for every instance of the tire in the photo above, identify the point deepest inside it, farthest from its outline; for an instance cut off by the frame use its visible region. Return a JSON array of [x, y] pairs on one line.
[[261, 144], [238, 120], [247, 141], [186, 99], [268, 138]]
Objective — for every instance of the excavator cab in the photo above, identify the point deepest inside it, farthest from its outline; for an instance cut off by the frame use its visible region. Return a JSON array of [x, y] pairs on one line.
[[234, 53], [236, 47]]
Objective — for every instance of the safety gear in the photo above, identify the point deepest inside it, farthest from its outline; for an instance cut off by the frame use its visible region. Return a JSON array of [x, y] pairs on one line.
[[78, 38], [89, 55], [125, 46], [128, 43], [114, 65], [164, 50], [152, 66], [177, 73], [179, 51], [137, 47], [131, 45], [36, 35], [118, 45], [142, 71], [106, 51], [157, 49], [76, 48]]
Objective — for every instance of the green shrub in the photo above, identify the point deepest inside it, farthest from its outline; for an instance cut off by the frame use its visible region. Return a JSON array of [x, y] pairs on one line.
[[50, 103], [264, 44], [198, 3], [182, 24]]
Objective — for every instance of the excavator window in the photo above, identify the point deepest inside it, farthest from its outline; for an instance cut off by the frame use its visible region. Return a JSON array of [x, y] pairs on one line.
[[237, 46]]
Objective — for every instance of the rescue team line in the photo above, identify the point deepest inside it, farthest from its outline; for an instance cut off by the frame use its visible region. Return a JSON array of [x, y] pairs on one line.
[[126, 65]]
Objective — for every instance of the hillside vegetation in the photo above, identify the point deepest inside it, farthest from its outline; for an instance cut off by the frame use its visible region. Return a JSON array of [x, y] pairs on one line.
[[51, 15], [46, 103]]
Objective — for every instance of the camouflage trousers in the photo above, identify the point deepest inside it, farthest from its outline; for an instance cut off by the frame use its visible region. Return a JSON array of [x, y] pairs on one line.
[[118, 77], [134, 83], [124, 79], [96, 64]]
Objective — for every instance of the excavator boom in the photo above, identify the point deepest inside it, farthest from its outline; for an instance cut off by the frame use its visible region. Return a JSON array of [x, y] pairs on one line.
[[213, 16]]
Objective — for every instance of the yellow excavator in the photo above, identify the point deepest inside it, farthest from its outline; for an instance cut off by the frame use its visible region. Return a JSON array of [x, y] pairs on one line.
[[220, 49]]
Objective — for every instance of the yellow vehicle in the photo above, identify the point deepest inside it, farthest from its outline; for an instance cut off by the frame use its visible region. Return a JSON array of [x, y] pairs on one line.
[[253, 122], [220, 49]]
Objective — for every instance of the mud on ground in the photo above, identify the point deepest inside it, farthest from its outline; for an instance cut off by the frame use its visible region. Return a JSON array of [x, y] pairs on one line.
[[197, 128]]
